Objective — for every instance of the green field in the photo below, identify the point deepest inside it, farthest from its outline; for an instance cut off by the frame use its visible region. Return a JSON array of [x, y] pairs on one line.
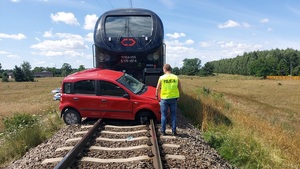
[[254, 123], [27, 97]]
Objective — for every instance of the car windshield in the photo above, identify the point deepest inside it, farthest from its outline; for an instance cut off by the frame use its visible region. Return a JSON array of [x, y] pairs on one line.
[[132, 84]]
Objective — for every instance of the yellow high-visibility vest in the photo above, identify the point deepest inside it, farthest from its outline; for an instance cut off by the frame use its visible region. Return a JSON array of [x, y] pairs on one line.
[[169, 86]]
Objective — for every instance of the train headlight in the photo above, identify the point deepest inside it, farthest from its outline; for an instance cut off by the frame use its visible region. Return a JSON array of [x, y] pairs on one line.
[[150, 57], [156, 56], [106, 57], [101, 57]]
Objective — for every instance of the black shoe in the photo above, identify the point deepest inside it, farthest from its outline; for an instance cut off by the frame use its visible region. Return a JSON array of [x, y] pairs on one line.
[[174, 133]]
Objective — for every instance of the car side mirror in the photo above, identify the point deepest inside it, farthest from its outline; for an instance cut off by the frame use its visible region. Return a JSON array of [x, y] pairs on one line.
[[126, 96]]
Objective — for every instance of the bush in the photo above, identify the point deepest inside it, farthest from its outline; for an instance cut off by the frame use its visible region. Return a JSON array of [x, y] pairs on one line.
[[19, 121], [24, 131]]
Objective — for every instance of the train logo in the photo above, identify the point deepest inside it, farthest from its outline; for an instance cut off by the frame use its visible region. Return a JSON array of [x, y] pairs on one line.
[[128, 42]]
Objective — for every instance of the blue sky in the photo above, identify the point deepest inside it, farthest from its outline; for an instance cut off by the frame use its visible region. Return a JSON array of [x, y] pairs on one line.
[[49, 33]]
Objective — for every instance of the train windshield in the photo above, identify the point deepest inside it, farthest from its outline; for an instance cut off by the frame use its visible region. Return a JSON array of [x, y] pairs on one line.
[[128, 26], [132, 84]]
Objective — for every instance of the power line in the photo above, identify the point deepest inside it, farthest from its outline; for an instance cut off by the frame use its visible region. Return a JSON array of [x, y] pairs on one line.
[[110, 4], [130, 3]]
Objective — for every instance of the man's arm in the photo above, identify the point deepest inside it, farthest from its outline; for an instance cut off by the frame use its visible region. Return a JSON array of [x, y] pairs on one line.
[[179, 86], [157, 89]]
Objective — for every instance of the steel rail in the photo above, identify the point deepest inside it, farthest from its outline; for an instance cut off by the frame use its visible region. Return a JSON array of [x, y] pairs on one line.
[[155, 150], [70, 158]]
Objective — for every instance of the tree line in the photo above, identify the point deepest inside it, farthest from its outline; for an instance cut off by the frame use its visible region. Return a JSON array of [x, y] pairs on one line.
[[23, 73], [274, 62]]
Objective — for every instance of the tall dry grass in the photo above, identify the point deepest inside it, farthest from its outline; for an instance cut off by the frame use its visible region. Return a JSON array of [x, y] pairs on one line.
[[266, 110], [27, 97]]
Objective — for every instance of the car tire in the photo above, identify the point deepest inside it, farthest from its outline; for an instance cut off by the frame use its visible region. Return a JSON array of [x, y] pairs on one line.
[[71, 116], [144, 117]]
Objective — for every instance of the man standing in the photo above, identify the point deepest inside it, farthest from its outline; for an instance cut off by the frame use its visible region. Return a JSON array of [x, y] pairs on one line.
[[168, 87]]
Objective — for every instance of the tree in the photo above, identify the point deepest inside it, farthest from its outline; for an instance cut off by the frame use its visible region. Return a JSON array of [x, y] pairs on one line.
[[4, 77], [66, 69], [38, 69], [261, 67], [0, 71], [176, 71], [18, 74], [207, 70], [27, 72], [81, 67], [191, 66]]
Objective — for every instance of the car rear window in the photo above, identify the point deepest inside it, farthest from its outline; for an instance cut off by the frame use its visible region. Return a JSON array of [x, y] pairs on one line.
[[67, 88], [85, 87]]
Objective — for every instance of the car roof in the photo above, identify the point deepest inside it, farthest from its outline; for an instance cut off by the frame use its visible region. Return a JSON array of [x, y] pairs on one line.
[[94, 73]]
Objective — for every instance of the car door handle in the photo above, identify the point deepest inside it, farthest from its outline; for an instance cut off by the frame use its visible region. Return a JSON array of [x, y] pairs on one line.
[[75, 98], [103, 100]]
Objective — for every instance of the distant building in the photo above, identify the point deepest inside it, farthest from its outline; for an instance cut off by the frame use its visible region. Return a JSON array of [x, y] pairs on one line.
[[10, 75], [42, 74]]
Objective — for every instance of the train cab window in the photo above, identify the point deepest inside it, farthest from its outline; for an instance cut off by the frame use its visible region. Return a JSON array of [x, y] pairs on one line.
[[110, 89], [128, 26], [85, 87]]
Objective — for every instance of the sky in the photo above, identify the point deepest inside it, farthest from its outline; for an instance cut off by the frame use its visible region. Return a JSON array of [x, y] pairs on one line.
[[49, 33]]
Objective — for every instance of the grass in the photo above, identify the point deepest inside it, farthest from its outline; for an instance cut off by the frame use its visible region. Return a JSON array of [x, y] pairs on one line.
[[253, 123], [28, 116], [27, 97]]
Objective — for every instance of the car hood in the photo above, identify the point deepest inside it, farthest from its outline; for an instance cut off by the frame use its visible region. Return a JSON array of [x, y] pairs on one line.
[[150, 93]]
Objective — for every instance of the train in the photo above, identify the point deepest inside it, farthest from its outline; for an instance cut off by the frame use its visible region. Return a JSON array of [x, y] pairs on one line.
[[130, 40]]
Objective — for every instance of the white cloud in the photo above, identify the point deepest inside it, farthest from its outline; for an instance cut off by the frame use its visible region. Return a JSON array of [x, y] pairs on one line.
[[48, 34], [3, 52], [14, 56], [89, 21], [229, 24], [265, 20], [246, 25], [64, 44], [207, 44], [18, 36], [67, 18], [189, 42], [232, 49], [15, 1], [176, 35], [90, 37]]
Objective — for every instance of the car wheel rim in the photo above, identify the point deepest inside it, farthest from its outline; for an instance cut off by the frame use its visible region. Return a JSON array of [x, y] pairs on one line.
[[71, 118]]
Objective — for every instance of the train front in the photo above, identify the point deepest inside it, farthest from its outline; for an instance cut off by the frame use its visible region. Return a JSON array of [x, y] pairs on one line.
[[130, 40]]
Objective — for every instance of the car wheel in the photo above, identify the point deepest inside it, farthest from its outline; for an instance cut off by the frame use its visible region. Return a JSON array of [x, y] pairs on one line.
[[144, 117], [71, 116]]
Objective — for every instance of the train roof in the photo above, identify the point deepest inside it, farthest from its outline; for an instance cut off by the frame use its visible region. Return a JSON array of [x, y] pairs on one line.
[[129, 11], [94, 74]]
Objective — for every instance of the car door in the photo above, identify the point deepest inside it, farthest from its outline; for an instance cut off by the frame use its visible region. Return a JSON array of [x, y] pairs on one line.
[[113, 104], [85, 99]]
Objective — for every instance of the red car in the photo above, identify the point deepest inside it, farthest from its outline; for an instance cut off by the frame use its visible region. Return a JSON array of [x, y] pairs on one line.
[[100, 93]]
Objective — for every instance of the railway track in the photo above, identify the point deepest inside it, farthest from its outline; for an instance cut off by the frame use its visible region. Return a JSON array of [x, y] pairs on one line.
[[120, 144], [132, 146]]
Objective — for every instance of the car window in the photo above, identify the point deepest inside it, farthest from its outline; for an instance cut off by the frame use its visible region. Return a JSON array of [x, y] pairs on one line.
[[131, 83], [67, 88], [111, 89], [85, 87]]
